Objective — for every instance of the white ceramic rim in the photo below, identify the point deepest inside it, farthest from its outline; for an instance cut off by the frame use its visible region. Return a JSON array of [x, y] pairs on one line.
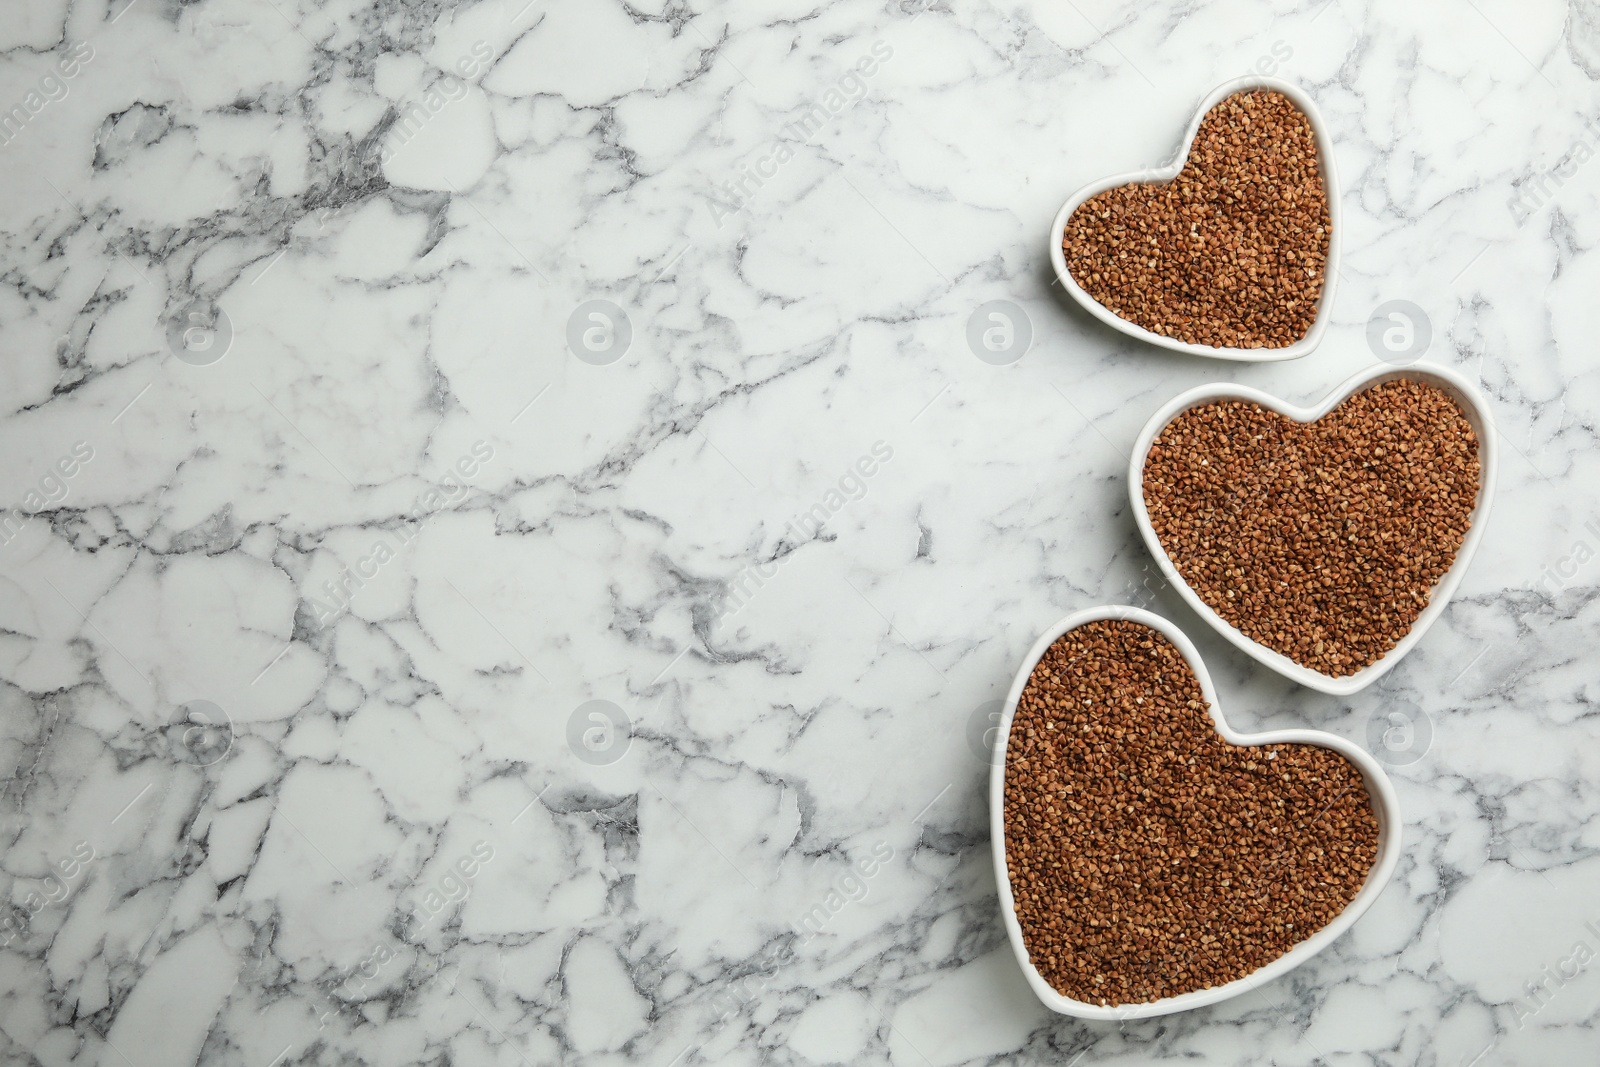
[[1160, 175], [1384, 805], [1472, 405]]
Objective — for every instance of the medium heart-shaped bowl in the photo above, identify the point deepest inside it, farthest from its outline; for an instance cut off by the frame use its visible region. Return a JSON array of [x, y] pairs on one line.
[[1162, 175], [1473, 407], [1380, 793]]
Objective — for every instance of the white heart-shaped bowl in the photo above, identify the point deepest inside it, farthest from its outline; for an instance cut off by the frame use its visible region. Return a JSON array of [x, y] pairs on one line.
[[1161, 175], [1473, 406], [1384, 806]]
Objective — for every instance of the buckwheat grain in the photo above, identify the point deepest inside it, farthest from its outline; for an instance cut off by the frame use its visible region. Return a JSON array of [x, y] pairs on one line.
[[1147, 856], [1322, 541], [1230, 253]]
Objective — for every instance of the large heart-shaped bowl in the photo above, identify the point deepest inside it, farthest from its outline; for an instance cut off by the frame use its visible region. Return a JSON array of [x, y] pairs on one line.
[[1384, 806], [1161, 175], [1472, 405]]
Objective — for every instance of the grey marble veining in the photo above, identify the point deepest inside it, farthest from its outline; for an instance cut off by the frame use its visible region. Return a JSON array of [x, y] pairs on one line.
[[510, 551]]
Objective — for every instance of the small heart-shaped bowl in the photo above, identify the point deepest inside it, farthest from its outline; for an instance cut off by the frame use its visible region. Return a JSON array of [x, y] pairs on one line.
[[1162, 175], [1472, 405], [1384, 807]]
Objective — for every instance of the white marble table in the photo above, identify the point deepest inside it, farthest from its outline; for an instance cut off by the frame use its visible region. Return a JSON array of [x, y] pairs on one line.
[[323, 544]]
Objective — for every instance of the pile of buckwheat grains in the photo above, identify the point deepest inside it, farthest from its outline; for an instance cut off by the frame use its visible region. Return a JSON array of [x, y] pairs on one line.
[[1230, 253], [1147, 856], [1322, 541]]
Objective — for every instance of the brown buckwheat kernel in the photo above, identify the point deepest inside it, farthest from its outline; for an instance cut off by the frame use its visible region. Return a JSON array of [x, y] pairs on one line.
[[1322, 541], [1147, 856], [1231, 252]]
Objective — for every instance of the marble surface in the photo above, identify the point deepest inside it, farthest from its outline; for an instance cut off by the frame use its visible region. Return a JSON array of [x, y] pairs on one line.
[[383, 683]]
